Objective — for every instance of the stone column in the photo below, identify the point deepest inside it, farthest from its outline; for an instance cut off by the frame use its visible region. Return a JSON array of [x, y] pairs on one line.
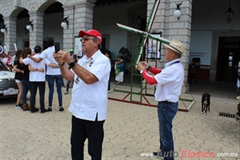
[[80, 17], [68, 33], [10, 37], [36, 35], [158, 26], [83, 19], [174, 28], [182, 27]]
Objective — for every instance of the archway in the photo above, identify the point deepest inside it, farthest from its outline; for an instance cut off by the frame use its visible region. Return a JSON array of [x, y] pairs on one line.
[[228, 58], [54, 30]]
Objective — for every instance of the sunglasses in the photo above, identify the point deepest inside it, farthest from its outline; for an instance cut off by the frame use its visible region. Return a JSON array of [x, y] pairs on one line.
[[86, 39]]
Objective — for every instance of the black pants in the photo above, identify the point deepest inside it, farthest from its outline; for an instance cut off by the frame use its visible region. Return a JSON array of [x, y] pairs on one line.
[[93, 131], [192, 77], [33, 88]]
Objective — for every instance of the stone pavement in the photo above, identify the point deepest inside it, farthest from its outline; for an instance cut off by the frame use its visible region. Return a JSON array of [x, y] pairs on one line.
[[131, 130]]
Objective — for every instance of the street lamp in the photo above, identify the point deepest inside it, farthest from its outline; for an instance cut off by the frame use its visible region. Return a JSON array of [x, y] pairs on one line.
[[177, 13], [229, 14], [29, 26], [4, 29], [64, 23]]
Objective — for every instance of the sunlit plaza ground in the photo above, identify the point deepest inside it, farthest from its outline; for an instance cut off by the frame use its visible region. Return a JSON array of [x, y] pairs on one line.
[[131, 130]]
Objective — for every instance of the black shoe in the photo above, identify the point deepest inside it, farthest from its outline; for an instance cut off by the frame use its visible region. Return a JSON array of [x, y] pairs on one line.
[[158, 155], [155, 153], [18, 106], [49, 109], [61, 109], [34, 110], [21, 105], [44, 110]]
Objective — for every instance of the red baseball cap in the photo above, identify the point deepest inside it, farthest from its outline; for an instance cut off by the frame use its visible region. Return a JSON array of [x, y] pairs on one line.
[[91, 32]]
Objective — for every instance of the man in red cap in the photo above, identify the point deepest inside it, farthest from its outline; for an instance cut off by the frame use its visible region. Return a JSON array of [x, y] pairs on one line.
[[89, 94]]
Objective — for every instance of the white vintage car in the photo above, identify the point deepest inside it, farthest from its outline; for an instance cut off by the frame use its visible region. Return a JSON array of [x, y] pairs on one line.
[[8, 86]]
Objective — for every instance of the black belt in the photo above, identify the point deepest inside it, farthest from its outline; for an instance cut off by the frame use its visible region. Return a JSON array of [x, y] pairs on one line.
[[165, 102]]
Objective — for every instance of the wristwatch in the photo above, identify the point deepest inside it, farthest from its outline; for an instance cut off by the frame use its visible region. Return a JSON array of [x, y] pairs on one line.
[[149, 67], [62, 64], [72, 64]]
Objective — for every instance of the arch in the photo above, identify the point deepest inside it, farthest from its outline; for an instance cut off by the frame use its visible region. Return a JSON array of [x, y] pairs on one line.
[[48, 4], [51, 9], [16, 11], [54, 8]]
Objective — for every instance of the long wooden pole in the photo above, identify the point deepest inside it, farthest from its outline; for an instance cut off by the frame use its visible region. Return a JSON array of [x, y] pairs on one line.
[[146, 33], [148, 29]]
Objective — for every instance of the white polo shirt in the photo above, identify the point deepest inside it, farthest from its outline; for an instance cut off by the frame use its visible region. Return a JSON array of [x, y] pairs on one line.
[[89, 100], [169, 82], [48, 54], [36, 76]]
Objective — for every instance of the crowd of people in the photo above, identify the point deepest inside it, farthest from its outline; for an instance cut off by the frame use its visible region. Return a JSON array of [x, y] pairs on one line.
[[7, 59], [33, 68], [90, 85]]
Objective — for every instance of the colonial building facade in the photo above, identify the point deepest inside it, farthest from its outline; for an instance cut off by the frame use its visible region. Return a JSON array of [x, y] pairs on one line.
[[210, 40]]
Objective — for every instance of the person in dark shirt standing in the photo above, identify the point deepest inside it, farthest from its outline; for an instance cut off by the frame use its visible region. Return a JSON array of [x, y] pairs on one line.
[[19, 70], [25, 79], [192, 72]]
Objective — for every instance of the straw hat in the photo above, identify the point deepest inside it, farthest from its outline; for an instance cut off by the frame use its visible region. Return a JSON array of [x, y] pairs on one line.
[[177, 46]]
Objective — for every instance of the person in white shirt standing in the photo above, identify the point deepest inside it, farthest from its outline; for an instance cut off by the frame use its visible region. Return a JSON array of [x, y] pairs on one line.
[[53, 73], [169, 85], [89, 94], [37, 80]]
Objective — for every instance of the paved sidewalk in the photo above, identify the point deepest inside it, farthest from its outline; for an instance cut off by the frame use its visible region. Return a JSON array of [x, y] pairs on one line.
[[131, 131]]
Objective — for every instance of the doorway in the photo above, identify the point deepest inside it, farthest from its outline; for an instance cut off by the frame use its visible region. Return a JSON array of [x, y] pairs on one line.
[[25, 43], [228, 58]]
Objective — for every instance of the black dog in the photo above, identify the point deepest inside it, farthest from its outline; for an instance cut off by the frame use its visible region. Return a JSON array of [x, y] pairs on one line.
[[206, 102]]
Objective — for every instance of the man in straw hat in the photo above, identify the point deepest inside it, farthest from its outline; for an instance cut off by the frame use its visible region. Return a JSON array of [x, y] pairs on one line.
[[169, 84], [89, 94]]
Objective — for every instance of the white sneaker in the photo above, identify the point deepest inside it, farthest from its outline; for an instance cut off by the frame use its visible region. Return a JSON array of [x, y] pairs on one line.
[[158, 155], [18, 107]]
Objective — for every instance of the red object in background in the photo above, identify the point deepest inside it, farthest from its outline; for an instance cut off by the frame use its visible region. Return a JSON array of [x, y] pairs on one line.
[[202, 73]]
